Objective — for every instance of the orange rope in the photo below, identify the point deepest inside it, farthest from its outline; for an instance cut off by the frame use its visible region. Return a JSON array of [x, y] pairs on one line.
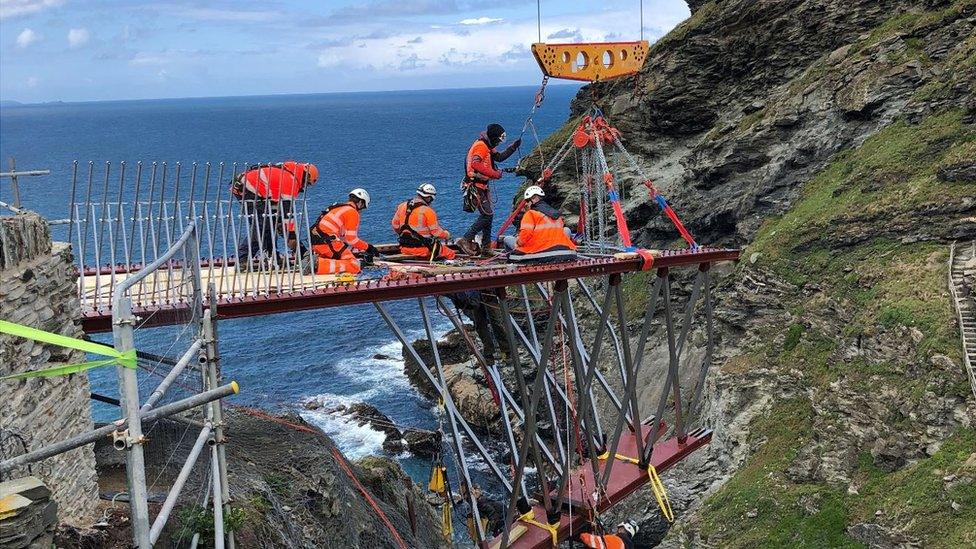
[[339, 458]]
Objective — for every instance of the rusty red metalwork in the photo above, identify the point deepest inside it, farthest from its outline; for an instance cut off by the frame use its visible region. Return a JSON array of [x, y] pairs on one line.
[[372, 290], [625, 479]]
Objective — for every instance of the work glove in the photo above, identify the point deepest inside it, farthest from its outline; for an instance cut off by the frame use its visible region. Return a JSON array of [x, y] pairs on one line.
[[517, 143], [371, 251], [510, 170]]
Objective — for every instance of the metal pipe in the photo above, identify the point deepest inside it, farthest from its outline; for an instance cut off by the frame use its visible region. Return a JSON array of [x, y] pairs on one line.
[[448, 404], [135, 466], [106, 430], [496, 379], [174, 493], [218, 509], [709, 345], [213, 378], [174, 372], [613, 332], [530, 418], [447, 398]]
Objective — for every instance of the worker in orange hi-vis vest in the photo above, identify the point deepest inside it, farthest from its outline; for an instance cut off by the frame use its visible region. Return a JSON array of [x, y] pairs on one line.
[[623, 539], [542, 235], [268, 193], [479, 170], [335, 236], [415, 223]]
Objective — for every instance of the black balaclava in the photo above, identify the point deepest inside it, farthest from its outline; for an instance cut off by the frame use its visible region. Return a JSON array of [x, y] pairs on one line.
[[494, 134]]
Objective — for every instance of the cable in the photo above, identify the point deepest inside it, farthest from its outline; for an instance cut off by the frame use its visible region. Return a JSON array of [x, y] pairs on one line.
[[538, 17], [642, 20]]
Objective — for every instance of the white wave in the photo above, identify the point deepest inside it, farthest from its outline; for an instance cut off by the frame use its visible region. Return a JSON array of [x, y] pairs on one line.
[[353, 439], [367, 369]]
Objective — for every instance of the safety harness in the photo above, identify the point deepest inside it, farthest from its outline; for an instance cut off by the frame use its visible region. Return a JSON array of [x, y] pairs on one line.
[[317, 237], [408, 236]]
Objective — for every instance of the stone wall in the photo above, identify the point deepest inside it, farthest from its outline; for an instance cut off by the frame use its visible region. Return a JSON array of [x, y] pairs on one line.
[[37, 289]]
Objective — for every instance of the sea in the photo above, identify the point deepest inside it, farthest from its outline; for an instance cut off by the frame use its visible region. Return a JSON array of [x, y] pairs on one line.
[[386, 142]]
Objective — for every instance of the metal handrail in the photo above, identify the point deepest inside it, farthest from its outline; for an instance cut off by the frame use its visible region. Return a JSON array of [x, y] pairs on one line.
[[141, 274], [966, 344]]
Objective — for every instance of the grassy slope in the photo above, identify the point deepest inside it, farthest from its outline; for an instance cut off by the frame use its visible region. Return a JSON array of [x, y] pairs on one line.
[[888, 284]]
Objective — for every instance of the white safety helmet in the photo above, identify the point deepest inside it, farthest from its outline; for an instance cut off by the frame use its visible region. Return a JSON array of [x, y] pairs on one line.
[[630, 526], [534, 190], [361, 194], [427, 190]]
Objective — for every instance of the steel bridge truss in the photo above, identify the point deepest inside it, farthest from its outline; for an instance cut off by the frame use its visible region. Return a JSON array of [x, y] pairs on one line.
[[147, 252], [575, 479]]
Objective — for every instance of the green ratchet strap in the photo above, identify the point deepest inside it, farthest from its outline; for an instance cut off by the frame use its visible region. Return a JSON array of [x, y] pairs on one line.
[[126, 359]]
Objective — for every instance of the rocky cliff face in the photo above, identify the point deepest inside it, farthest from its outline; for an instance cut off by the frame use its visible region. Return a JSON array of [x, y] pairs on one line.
[[835, 142], [288, 489]]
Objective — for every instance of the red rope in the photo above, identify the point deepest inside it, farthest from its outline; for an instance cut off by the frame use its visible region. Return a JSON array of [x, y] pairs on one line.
[[339, 458]]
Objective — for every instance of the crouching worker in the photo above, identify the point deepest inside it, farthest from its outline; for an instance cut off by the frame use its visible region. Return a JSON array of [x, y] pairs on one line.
[[623, 539], [542, 236], [336, 235], [415, 224]]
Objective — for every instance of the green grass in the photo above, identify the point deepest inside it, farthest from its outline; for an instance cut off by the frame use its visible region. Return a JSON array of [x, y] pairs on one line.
[[760, 488], [887, 288], [919, 498]]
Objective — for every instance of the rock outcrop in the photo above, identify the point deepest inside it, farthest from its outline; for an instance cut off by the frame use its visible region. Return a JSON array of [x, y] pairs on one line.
[[834, 141]]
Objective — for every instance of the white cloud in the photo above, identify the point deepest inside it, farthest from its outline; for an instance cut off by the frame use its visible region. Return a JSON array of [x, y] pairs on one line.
[[480, 21], [453, 50], [32, 81], [78, 37], [17, 8], [26, 38]]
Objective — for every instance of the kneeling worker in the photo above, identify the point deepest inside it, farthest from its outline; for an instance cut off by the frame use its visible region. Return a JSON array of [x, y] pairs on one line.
[[542, 236], [415, 224], [336, 234]]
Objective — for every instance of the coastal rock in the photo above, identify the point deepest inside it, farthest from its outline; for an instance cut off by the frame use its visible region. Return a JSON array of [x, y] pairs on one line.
[[465, 380], [423, 443]]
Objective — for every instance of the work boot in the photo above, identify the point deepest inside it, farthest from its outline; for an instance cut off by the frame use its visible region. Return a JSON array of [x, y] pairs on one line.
[[486, 250], [467, 246]]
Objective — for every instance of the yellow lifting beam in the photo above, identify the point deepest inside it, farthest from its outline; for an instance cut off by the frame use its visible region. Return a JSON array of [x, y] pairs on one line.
[[590, 61]]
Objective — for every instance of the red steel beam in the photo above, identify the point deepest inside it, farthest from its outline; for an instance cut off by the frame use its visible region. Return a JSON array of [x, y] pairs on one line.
[[625, 479], [369, 291]]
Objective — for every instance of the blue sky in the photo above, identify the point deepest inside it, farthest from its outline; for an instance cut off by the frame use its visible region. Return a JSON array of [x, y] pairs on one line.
[[133, 49]]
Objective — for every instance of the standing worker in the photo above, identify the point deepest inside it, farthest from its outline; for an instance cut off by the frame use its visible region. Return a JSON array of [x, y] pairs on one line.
[[268, 193], [336, 234], [415, 224], [623, 539], [542, 235], [479, 169]]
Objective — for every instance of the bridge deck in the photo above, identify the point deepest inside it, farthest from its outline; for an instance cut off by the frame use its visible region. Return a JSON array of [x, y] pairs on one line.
[[162, 298]]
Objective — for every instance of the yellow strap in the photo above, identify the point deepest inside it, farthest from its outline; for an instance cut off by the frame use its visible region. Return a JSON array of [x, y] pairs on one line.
[[553, 529], [604, 455], [125, 359], [447, 525], [660, 494]]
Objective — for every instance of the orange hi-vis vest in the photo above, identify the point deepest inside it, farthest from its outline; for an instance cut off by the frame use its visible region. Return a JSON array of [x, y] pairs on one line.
[[341, 223], [334, 236], [415, 223], [479, 166], [540, 233], [608, 541], [276, 182]]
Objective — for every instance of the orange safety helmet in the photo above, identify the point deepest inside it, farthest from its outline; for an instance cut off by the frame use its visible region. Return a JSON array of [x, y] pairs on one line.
[[309, 171], [312, 172]]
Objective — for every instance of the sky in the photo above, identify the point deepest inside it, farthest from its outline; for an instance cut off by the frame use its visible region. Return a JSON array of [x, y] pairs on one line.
[[78, 50]]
